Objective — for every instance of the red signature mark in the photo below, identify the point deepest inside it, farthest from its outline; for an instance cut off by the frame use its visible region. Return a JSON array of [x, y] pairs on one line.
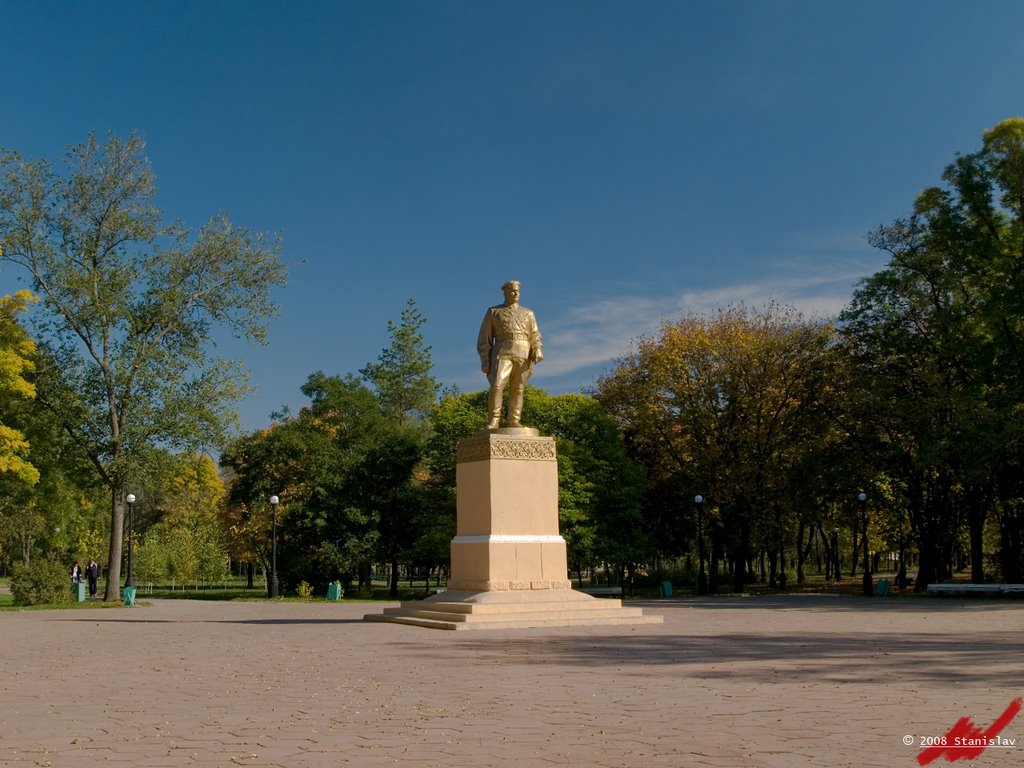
[[965, 740]]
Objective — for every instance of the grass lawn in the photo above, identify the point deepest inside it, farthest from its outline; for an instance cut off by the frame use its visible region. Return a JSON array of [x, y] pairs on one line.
[[234, 588]]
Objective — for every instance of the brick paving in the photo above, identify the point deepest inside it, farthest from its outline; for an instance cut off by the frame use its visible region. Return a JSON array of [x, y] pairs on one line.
[[729, 682]]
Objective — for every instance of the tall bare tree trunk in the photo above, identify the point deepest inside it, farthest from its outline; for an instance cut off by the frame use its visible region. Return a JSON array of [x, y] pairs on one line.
[[113, 589]]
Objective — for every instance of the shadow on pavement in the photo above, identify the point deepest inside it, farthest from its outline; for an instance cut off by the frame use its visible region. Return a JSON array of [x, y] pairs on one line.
[[805, 602], [872, 658]]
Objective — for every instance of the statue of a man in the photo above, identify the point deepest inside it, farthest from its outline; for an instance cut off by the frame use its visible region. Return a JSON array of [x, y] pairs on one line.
[[509, 344]]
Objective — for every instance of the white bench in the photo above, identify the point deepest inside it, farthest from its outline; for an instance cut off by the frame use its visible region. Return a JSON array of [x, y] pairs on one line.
[[976, 587]]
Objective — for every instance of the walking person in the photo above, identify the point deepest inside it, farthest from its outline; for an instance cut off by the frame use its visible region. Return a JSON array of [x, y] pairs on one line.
[[92, 573]]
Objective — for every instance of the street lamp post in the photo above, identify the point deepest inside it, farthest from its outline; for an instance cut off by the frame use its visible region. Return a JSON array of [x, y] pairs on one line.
[[702, 577], [130, 581], [837, 561], [869, 588], [272, 585], [901, 574]]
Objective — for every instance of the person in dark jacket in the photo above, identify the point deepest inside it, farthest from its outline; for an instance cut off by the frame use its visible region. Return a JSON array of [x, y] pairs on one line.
[[92, 573]]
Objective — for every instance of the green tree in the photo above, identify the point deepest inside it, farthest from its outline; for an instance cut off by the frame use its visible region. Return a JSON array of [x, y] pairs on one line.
[[180, 533], [401, 376], [130, 304], [58, 515], [337, 465], [599, 487], [730, 408], [936, 338], [407, 393], [185, 554]]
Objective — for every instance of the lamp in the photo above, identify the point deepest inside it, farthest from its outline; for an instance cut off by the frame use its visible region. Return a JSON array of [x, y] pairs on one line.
[[869, 588], [130, 498], [702, 577], [272, 586]]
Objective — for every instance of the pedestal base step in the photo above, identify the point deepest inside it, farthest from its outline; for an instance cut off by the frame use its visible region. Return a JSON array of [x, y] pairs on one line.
[[454, 610]]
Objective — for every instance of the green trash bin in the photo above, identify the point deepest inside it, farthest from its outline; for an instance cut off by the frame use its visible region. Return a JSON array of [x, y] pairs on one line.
[[78, 590], [334, 591], [666, 589], [129, 595]]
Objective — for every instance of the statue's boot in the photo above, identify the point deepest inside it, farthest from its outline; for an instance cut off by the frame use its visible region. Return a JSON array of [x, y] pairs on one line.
[[515, 407], [493, 409]]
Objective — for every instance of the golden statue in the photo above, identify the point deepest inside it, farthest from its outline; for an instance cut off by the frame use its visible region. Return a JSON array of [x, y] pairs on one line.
[[509, 345]]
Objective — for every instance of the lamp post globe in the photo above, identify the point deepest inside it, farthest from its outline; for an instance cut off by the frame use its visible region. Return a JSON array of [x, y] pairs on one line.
[[272, 585], [702, 576], [130, 581]]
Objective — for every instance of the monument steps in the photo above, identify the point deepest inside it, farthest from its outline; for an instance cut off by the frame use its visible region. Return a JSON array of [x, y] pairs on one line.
[[440, 613], [523, 622], [514, 608]]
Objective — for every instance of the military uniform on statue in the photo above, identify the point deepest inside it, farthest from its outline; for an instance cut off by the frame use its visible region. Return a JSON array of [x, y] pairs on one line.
[[509, 566], [509, 345]]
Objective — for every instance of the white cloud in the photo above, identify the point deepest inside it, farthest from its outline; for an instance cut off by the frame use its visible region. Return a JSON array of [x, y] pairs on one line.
[[603, 330], [600, 331]]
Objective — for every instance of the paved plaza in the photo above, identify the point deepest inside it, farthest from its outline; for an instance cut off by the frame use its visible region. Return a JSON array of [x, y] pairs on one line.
[[801, 680]]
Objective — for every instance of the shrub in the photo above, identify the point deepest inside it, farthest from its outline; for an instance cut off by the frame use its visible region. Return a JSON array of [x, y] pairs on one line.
[[304, 590], [43, 581]]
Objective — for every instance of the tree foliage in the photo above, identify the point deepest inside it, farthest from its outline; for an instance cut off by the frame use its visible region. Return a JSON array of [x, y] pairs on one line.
[[936, 337], [731, 408], [17, 361], [129, 304], [407, 393], [402, 375], [338, 466]]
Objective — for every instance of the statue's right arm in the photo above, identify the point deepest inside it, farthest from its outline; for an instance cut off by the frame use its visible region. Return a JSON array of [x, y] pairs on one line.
[[484, 341]]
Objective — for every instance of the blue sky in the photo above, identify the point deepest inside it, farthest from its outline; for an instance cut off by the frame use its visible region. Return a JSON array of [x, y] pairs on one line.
[[626, 161]]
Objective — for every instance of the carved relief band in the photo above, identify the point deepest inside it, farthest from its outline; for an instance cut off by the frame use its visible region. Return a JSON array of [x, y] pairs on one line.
[[489, 446]]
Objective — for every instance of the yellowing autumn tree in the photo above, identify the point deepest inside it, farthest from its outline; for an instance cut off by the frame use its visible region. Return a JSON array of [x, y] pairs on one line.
[[734, 408], [194, 491], [16, 361]]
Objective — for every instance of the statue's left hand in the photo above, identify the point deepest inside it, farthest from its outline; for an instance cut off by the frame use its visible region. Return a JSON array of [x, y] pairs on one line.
[[536, 355]]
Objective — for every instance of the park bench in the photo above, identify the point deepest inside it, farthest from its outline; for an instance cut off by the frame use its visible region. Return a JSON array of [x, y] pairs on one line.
[[596, 591], [976, 587]]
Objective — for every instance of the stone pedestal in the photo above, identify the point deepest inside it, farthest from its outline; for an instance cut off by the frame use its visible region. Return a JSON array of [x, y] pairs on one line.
[[507, 532], [509, 566]]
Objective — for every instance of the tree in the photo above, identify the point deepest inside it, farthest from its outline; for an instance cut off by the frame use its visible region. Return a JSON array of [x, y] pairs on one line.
[[130, 303], [285, 460], [936, 337], [17, 352], [407, 393], [339, 466], [18, 516], [187, 490], [730, 408], [401, 376], [180, 536], [58, 514]]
